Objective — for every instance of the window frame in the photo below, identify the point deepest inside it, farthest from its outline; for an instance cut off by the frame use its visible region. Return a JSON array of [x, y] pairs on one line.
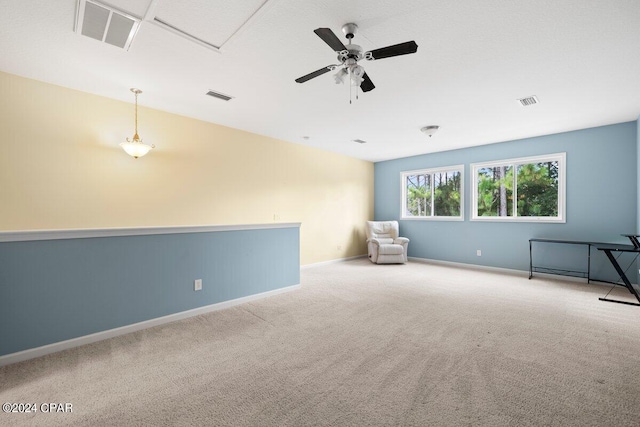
[[431, 171], [561, 158]]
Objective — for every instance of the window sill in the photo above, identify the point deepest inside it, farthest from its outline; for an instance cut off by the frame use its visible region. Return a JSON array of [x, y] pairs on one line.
[[434, 218], [538, 220]]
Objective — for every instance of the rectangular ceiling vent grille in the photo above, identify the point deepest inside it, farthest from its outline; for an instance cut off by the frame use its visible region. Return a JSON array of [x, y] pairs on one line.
[[219, 95], [106, 24], [360, 141], [529, 100]]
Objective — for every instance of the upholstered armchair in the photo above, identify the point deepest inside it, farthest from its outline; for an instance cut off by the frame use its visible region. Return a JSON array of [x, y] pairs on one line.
[[384, 244]]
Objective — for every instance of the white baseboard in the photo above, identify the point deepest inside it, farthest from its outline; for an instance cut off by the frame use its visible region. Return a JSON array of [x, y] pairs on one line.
[[502, 270], [103, 335], [333, 261], [470, 266]]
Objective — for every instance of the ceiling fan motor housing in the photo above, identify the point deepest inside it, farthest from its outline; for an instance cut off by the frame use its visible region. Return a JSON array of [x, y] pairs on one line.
[[353, 52]]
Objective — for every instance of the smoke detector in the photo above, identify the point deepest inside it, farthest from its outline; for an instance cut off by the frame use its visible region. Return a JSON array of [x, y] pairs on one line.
[[106, 24]]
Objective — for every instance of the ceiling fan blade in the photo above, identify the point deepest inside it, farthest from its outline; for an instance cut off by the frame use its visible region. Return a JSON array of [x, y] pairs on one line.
[[366, 84], [395, 50], [315, 74], [330, 38]]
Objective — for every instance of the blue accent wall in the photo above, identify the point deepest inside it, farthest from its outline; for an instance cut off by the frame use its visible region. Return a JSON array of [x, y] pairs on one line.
[[55, 290], [602, 193]]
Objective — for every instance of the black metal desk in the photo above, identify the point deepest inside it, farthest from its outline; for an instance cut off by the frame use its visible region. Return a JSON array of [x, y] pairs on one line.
[[608, 249], [559, 271]]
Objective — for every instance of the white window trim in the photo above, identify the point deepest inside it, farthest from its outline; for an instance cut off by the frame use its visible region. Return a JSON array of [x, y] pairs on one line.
[[403, 192], [561, 158]]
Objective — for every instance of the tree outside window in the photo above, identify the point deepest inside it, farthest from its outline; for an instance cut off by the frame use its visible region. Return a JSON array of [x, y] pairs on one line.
[[526, 189], [432, 194]]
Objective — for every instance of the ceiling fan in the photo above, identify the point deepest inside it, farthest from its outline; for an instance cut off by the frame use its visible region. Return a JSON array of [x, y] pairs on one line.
[[352, 53]]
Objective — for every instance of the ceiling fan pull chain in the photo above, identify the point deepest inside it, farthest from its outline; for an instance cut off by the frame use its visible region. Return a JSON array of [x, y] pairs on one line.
[[350, 91]]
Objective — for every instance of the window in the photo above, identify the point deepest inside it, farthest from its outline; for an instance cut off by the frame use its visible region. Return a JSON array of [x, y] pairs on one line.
[[433, 193], [526, 189]]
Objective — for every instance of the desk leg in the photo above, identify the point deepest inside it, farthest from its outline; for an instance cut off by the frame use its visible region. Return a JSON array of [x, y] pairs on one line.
[[589, 264], [624, 278], [530, 262]]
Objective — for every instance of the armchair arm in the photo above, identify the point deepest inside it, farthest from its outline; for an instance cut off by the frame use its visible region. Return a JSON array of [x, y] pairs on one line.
[[405, 244], [374, 241], [373, 246]]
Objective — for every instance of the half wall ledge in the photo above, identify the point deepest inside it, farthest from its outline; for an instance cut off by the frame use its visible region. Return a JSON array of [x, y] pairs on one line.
[[85, 233]]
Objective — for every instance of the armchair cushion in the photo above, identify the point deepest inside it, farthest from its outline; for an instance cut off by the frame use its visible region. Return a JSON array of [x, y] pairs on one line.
[[381, 240], [390, 250], [384, 229]]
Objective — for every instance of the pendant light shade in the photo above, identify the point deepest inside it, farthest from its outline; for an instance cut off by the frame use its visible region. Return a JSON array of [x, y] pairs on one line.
[[134, 146]]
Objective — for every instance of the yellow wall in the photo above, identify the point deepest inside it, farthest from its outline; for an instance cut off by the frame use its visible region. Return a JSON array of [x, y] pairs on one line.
[[61, 167]]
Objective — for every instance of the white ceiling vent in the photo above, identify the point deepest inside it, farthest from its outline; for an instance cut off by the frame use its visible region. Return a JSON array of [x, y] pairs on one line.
[[105, 24], [359, 141], [220, 95], [529, 100]]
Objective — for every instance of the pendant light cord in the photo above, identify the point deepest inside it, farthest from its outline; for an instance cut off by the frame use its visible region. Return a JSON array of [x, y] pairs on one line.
[[136, 93]]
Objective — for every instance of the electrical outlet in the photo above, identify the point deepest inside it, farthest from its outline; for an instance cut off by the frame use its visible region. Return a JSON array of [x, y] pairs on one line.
[[479, 252], [197, 285]]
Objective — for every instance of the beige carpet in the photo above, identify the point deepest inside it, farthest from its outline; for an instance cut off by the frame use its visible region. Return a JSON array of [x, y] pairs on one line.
[[361, 344]]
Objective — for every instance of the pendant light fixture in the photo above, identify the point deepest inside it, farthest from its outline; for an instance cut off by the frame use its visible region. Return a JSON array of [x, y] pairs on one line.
[[134, 146]]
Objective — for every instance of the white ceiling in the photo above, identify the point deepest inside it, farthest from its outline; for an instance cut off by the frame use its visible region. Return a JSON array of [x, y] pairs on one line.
[[581, 58]]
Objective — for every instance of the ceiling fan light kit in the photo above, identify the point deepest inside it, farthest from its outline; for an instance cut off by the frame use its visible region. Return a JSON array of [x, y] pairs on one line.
[[357, 73], [340, 76], [349, 55]]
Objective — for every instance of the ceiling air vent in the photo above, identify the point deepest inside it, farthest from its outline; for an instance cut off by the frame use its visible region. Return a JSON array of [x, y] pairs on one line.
[[359, 141], [219, 95], [529, 100], [105, 24]]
